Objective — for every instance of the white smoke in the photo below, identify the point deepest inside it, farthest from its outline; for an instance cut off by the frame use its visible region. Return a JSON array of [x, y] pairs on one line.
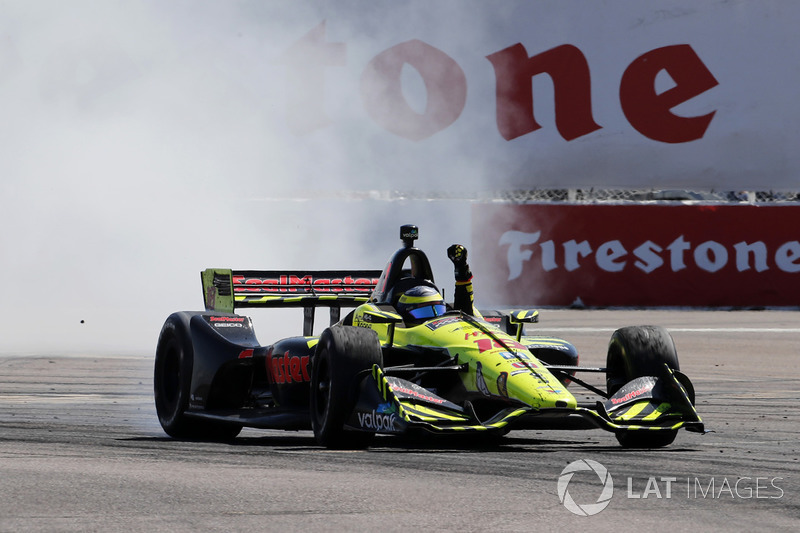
[[144, 141]]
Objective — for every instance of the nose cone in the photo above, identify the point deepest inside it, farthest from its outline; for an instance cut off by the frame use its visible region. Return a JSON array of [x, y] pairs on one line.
[[530, 383]]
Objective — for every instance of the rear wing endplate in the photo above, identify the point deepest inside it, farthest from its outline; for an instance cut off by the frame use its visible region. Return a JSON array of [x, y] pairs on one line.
[[225, 290]]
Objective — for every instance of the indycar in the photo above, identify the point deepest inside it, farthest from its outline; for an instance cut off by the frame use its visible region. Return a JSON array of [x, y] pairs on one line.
[[370, 372]]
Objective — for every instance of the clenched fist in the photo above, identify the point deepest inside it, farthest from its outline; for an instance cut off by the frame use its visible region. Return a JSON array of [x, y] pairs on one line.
[[458, 255]]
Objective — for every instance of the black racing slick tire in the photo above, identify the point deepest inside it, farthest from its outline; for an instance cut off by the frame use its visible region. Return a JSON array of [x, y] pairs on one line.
[[344, 354], [172, 382], [633, 352]]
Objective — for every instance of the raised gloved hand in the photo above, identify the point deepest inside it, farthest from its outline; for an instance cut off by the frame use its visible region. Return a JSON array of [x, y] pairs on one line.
[[458, 255]]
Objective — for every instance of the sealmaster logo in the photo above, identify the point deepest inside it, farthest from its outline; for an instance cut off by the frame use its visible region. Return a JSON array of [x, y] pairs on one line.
[[294, 283], [414, 394], [633, 394], [585, 509], [287, 368], [227, 322]]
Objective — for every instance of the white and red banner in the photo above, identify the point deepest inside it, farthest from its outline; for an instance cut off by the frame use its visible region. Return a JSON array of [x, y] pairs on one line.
[[309, 96], [637, 255], [541, 94]]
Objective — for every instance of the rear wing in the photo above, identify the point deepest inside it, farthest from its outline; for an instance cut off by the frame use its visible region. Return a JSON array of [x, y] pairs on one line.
[[225, 290]]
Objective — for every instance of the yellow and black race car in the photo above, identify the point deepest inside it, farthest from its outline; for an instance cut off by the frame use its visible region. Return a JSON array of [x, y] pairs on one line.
[[401, 361]]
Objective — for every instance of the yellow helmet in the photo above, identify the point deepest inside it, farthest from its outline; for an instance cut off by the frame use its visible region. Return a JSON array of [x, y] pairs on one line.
[[419, 303]]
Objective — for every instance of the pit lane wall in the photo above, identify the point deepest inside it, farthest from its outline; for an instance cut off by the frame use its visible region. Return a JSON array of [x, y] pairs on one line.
[[637, 255]]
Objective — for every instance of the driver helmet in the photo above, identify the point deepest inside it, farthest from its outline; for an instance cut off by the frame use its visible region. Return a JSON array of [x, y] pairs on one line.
[[419, 303]]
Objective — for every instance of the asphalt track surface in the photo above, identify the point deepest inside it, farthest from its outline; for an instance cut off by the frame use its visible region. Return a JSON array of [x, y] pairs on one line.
[[81, 450]]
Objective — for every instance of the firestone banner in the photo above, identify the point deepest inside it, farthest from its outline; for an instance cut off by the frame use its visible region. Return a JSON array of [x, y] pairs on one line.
[[637, 255]]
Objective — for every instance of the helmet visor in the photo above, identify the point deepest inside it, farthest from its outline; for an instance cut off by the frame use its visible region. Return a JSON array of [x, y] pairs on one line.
[[428, 311]]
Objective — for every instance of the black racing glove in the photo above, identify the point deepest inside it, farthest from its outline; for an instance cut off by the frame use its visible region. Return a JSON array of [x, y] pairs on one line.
[[458, 255]]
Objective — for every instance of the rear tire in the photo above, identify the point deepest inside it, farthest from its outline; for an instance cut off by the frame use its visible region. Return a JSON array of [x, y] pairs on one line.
[[172, 381], [633, 352], [343, 353]]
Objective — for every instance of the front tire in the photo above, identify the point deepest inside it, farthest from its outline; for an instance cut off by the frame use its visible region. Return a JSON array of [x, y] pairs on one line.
[[633, 352], [343, 354]]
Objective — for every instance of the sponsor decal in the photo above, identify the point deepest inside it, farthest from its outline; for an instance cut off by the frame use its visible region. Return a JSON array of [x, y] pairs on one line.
[[485, 344], [387, 407], [648, 256], [523, 364], [512, 355], [382, 418], [246, 354], [550, 389], [631, 395], [294, 283], [538, 377], [287, 368], [600, 259], [648, 112], [560, 347], [400, 390], [227, 321], [369, 318], [433, 325], [411, 233]]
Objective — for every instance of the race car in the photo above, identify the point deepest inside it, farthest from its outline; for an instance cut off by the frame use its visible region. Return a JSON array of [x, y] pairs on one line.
[[433, 369]]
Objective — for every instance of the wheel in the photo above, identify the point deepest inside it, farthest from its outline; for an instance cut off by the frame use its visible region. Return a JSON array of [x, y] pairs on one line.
[[643, 438], [638, 351], [633, 352], [172, 381], [343, 352]]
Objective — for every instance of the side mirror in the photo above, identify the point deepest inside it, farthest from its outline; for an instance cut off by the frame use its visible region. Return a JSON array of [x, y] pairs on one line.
[[521, 317], [373, 314]]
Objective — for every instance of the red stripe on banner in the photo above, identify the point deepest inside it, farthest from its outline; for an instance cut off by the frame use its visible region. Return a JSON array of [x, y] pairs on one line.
[[637, 255]]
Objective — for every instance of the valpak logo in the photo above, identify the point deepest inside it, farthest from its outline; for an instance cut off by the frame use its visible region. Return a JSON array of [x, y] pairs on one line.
[[380, 419]]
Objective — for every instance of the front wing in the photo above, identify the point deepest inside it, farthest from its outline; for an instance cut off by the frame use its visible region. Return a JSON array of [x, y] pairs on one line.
[[390, 405]]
